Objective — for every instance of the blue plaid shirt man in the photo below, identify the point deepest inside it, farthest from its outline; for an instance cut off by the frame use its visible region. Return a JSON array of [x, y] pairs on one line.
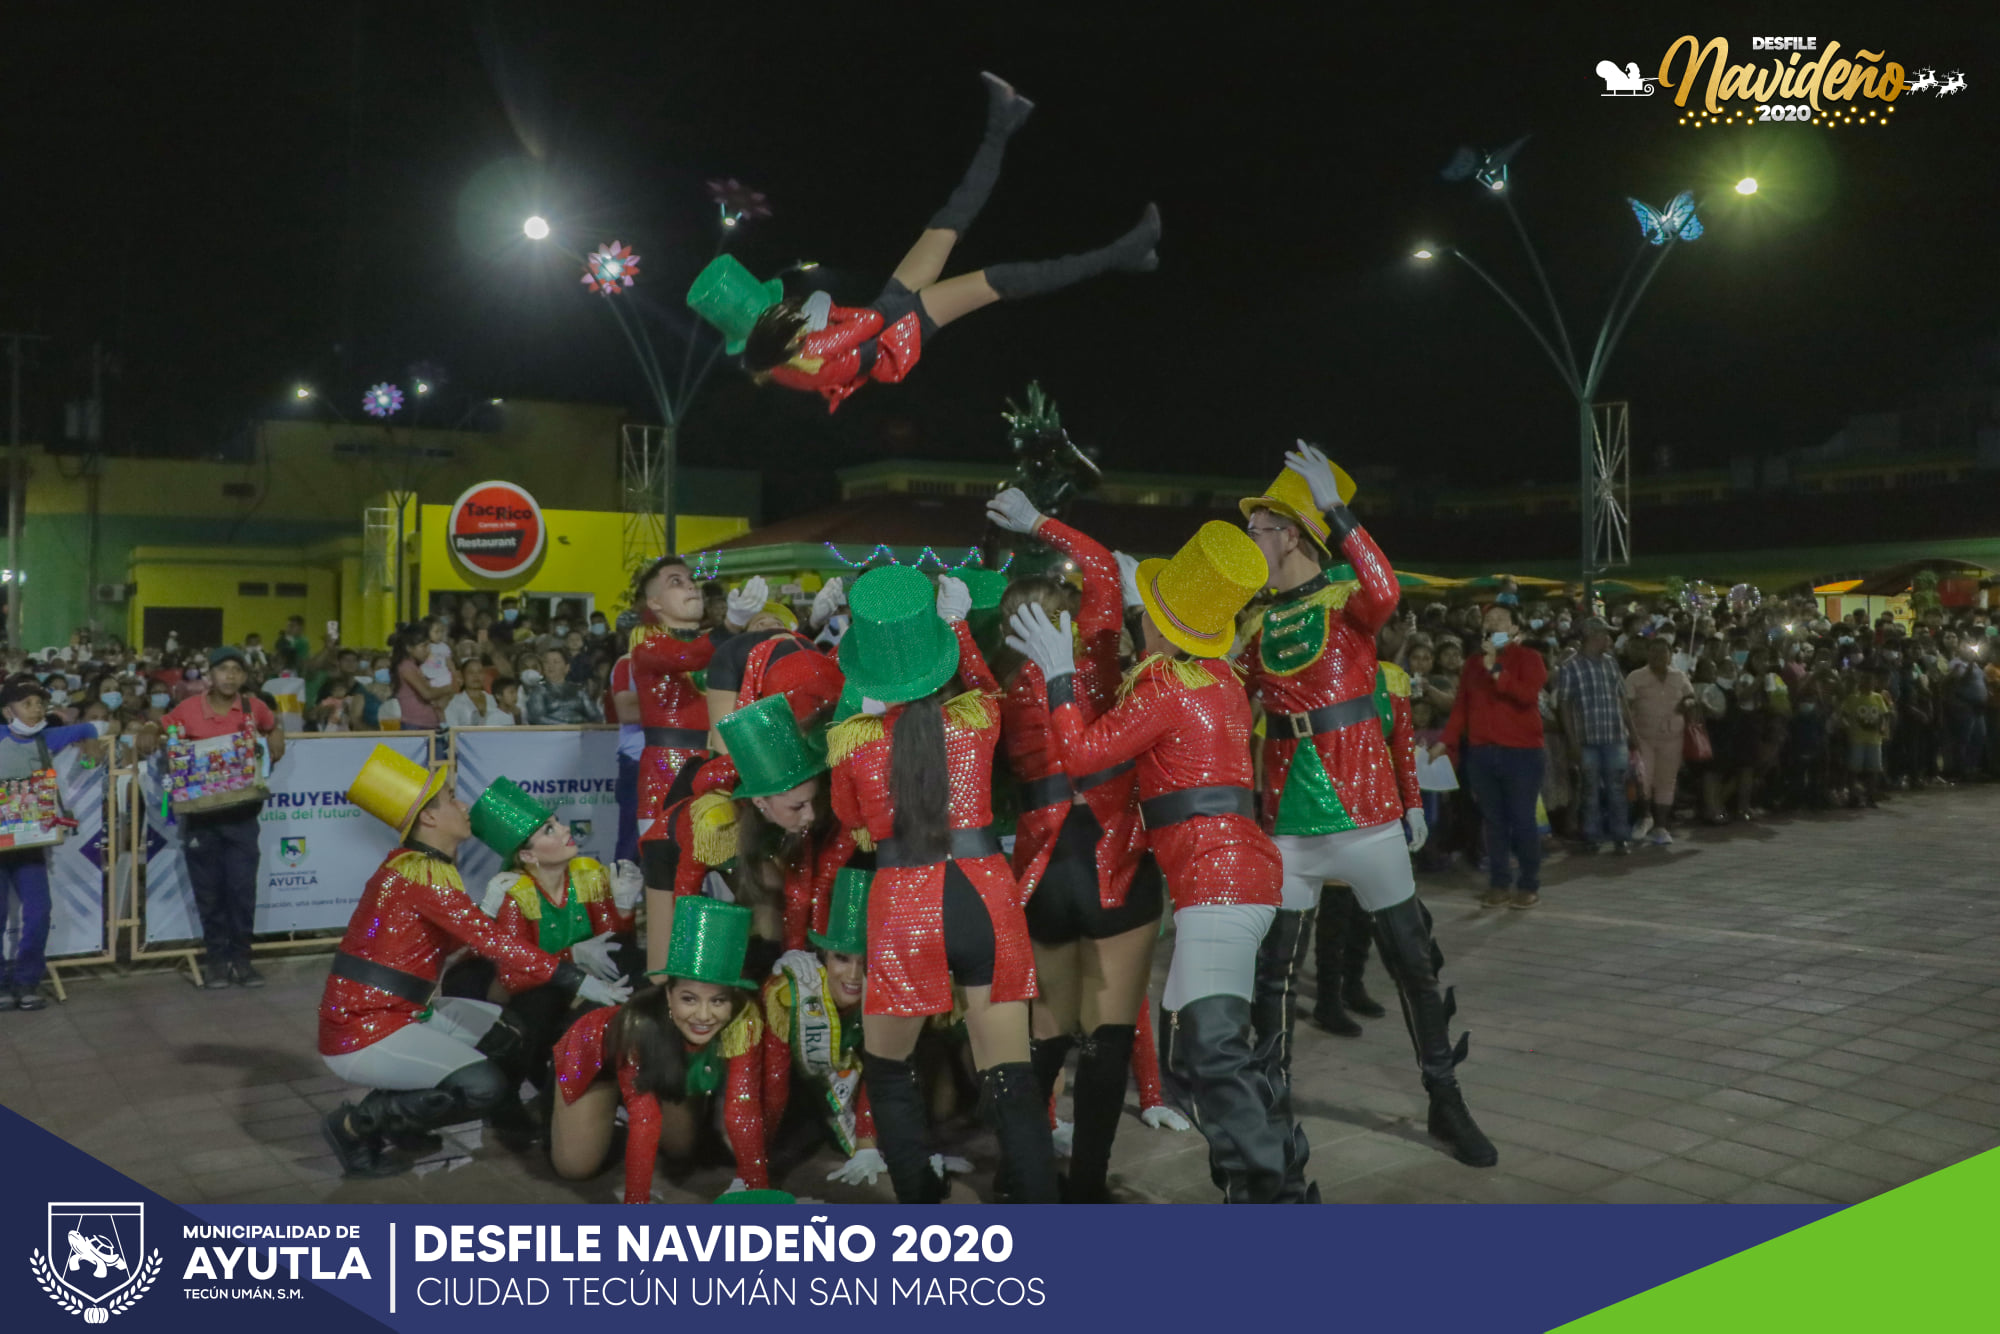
[[1595, 687]]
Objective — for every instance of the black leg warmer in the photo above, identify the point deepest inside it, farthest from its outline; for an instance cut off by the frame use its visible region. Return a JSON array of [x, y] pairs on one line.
[[1011, 1105], [901, 1128], [1006, 112], [1130, 253]]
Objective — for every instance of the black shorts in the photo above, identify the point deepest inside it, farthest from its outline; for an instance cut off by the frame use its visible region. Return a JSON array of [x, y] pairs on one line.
[[1066, 905], [897, 301], [968, 931], [659, 859]]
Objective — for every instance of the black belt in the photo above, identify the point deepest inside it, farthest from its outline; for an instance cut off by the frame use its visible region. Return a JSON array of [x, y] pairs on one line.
[[1058, 787], [1189, 802], [966, 845], [1330, 718], [677, 738], [402, 985]]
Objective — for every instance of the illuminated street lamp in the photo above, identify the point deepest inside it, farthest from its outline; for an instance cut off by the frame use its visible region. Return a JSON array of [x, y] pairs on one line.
[[536, 228], [1747, 186]]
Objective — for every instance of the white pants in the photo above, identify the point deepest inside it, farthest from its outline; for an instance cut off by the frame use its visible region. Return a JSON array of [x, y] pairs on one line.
[[1375, 861], [1215, 951], [419, 1056]]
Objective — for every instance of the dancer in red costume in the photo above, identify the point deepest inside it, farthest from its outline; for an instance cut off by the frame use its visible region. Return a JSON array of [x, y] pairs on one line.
[[1094, 897], [1186, 722], [1331, 800], [695, 1034], [913, 771], [430, 1062], [816, 346]]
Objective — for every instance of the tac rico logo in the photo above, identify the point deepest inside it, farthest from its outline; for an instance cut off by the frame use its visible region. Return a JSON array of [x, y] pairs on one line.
[[96, 1264], [495, 532]]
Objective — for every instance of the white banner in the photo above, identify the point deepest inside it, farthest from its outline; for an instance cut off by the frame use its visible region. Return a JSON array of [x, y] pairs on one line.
[[316, 849], [574, 771]]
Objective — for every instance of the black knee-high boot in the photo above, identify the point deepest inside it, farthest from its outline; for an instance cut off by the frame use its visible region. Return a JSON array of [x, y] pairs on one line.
[[1011, 1104], [1047, 1055], [359, 1134], [1006, 112], [1274, 1007], [902, 1130], [1130, 253], [1354, 965], [1413, 959], [1330, 944], [1207, 1042], [1103, 1067]]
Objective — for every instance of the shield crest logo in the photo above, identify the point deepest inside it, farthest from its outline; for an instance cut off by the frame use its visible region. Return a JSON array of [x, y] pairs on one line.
[[95, 1249], [293, 850]]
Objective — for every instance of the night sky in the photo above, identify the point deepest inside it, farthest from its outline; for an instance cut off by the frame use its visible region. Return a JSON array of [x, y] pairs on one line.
[[235, 199]]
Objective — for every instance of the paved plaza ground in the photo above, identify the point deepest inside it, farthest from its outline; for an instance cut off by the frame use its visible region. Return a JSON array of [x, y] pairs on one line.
[[1801, 1011]]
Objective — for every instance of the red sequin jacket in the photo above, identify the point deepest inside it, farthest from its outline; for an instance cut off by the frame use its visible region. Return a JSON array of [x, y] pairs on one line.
[[413, 911], [1030, 750], [830, 362], [662, 667], [1188, 725], [580, 1060], [520, 914]]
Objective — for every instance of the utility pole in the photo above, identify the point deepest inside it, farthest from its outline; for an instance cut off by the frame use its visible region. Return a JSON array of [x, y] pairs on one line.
[[17, 484]]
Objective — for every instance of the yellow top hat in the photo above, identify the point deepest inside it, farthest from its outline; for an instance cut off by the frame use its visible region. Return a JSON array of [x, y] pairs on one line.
[[394, 788], [1194, 597], [1289, 497]]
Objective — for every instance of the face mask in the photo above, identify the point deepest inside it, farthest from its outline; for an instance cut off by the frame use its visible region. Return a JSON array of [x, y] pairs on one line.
[[1562, 623], [381, 676], [510, 615], [20, 728], [59, 697], [562, 628], [599, 627], [1740, 656], [159, 699], [112, 698], [1499, 639]]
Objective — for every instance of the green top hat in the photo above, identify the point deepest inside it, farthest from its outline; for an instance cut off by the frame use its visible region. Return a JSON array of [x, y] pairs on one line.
[[757, 1197], [728, 296], [709, 941], [898, 648], [847, 917], [505, 818], [987, 588], [770, 752]]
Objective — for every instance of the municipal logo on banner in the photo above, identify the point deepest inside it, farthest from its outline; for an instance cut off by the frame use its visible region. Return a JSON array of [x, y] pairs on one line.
[[96, 1263], [292, 851]]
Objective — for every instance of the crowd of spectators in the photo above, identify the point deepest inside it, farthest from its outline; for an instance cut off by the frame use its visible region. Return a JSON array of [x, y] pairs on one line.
[[1624, 728]]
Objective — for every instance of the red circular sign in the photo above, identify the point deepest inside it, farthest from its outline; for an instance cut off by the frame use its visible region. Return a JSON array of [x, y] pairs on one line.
[[496, 531]]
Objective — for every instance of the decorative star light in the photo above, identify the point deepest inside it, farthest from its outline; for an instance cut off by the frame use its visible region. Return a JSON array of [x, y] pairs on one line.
[[610, 267], [382, 400], [737, 201]]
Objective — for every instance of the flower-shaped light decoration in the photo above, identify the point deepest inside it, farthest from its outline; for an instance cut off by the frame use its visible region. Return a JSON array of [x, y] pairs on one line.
[[737, 201], [610, 267], [382, 400]]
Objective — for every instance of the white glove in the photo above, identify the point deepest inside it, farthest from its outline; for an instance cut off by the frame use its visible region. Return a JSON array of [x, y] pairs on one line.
[[496, 892], [628, 885], [1047, 645], [817, 308], [861, 1169], [747, 601], [1308, 462], [1415, 827], [531, 677], [1128, 577], [832, 596], [944, 1165], [954, 599], [605, 991], [1165, 1118], [1063, 1137], [1012, 511], [594, 957]]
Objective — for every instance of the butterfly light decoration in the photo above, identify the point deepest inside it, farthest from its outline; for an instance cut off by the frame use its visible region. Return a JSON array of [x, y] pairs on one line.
[[1489, 169], [736, 201], [1675, 222], [610, 267], [382, 400]]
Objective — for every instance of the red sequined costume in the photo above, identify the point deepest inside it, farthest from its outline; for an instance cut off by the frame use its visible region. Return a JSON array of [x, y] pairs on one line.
[[672, 709], [851, 350], [413, 911], [1031, 753], [1402, 730], [580, 1061], [520, 914], [907, 972], [1315, 649], [1188, 726]]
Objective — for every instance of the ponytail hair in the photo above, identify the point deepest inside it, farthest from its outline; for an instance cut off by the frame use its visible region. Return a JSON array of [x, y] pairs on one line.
[[920, 781]]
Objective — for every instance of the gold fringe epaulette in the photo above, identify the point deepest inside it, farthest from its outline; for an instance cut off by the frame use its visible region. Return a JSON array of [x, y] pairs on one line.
[[527, 896], [713, 816], [778, 1005], [422, 869], [1189, 673], [745, 1031], [863, 840], [1398, 679], [844, 738], [970, 711], [641, 633], [589, 881]]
